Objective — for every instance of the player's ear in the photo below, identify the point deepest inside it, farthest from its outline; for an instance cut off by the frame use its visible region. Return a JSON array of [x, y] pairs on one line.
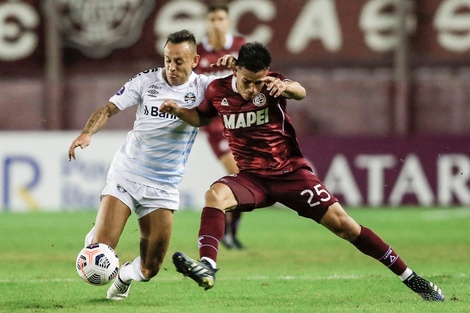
[[196, 59]]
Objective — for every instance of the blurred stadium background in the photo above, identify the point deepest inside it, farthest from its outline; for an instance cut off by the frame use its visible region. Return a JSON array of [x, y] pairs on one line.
[[385, 122]]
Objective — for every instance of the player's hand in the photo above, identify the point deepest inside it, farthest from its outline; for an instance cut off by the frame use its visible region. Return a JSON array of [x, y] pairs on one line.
[[227, 61], [82, 141], [169, 106], [275, 86]]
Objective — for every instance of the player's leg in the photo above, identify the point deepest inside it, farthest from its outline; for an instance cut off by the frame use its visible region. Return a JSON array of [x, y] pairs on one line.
[[115, 208], [232, 219], [369, 243], [110, 221], [227, 240], [227, 193], [317, 203], [234, 227], [212, 226], [211, 231], [155, 234]]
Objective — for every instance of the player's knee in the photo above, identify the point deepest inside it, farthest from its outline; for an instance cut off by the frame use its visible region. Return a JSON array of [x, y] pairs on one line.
[[342, 225], [349, 229], [214, 198], [347, 234]]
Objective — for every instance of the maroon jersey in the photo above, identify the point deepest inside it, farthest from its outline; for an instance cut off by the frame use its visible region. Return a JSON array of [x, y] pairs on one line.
[[259, 131], [210, 56]]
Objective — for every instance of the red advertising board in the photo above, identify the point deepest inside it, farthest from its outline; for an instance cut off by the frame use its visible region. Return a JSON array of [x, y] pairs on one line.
[[301, 32]]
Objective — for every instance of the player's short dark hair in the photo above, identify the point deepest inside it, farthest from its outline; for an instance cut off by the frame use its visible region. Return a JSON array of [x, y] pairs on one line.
[[254, 56], [216, 6], [182, 36]]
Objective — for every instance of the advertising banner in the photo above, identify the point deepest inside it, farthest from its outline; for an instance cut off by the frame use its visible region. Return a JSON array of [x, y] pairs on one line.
[[35, 174], [307, 32], [397, 171]]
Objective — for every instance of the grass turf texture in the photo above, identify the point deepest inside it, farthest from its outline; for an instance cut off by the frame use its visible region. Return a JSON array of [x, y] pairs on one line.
[[291, 264]]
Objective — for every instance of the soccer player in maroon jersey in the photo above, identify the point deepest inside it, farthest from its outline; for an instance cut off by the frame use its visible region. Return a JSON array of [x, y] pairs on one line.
[[217, 43], [252, 103]]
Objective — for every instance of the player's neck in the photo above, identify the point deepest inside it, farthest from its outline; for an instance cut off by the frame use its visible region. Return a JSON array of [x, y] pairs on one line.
[[217, 42]]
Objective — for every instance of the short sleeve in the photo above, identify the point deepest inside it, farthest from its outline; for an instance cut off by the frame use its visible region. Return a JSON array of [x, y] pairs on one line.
[[130, 94]]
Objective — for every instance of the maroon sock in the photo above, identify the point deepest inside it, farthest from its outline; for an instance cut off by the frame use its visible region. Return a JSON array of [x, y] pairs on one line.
[[211, 232], [371, 244]]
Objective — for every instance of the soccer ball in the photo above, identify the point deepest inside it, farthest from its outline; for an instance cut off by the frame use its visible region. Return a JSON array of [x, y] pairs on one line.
[[97, 264]]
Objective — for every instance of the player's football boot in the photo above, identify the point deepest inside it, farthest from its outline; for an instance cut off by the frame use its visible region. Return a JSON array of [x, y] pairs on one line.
[[238, 245], [231, 242], [427, 290], [119, 290], [227, 241], [199, 271]]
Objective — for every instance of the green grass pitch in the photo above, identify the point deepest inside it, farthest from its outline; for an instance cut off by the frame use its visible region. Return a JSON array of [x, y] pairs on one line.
[[291, 264]]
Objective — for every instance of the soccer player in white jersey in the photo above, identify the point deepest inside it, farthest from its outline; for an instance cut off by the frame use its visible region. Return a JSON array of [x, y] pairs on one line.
[[148, 167]]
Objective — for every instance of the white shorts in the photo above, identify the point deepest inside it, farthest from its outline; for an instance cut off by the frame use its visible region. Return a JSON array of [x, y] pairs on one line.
[[141, 199]]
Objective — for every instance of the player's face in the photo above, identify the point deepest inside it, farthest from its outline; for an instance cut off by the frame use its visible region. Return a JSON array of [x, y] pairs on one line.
[[180, 60], [218, 23], [249, 84]]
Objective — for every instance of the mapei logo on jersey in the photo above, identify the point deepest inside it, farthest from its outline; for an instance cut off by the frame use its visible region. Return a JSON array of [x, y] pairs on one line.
[[259, 100], [121, 91], [190, 98], [246, 119], [96, 28]]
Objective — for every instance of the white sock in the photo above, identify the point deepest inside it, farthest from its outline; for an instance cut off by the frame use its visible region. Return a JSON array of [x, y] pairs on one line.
[[89, 236], [406, 274], [132, 272], [211, 262]]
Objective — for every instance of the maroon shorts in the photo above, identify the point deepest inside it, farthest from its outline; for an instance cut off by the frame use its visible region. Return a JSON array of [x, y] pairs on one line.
[[300, 191]]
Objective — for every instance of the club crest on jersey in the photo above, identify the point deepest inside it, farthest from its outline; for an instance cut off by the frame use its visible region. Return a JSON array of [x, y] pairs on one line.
[[259, 100], [190, 98]]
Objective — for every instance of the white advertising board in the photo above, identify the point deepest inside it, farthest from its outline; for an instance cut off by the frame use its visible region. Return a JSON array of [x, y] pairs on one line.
[[36, 174]]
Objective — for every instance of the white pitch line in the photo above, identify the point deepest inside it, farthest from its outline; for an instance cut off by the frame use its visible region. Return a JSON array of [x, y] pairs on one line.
[[448, 214], [252, 278]]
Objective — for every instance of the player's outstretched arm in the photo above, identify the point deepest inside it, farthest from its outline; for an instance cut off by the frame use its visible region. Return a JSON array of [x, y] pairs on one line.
[[294, 90], [96, 121], [288, 89], [190, 116]]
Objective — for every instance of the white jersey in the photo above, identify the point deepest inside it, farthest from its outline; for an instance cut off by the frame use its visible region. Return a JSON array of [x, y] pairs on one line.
[[156, 150]]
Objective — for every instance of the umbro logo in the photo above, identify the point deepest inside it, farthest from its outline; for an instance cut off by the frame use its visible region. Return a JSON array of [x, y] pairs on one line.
[[224, 102]]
